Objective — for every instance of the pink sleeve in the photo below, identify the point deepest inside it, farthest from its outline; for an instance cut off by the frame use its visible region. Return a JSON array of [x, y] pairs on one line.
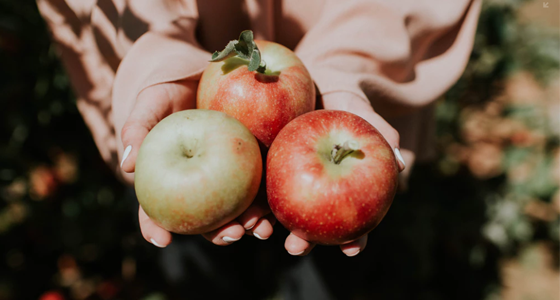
[[399, 55]]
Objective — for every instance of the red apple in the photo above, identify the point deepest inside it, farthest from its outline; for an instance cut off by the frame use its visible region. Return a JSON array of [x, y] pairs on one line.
[[263, 97], [51, 295], [331, 177]]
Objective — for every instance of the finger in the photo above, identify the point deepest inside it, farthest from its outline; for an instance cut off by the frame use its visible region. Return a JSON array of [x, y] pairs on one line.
[[297, 246], [355, 247], [152, 105], [264, 227], [253, 214], [226, 235], [152, 232], [389, 133]]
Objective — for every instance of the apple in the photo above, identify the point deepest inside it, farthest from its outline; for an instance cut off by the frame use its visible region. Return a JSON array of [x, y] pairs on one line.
[[262, 84], [197, 170], [51, 295], [330, 176]]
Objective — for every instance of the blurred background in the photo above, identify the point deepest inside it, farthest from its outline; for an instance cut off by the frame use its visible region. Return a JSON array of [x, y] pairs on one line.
[[480, 222]]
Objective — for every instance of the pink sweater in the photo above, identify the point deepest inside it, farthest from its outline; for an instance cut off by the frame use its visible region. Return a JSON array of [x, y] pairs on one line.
[[400, 56]]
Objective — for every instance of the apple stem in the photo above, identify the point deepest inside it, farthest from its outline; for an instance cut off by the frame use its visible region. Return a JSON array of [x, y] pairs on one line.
[[340, 152]]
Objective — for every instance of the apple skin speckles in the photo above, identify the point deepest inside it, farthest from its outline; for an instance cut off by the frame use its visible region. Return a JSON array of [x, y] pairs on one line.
[[264, 103], [337, 203], [209, 187]]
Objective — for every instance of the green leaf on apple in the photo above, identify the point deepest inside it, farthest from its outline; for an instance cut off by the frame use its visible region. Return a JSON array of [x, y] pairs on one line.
[[224, 54], [255, 60], [246, 45], [244, 48]]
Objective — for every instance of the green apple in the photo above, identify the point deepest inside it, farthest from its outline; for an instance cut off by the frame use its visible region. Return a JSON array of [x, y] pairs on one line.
[[197, 170]]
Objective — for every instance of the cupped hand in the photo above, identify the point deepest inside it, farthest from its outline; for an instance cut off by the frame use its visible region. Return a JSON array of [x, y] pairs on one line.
[[153, 104], [354, 104]]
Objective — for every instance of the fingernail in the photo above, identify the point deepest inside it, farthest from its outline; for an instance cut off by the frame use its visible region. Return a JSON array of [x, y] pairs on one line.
[[156, 244], [227, 239], [251, 227], [352, 254], [399, 156], [125, 154], [258, 236], [295, 254]]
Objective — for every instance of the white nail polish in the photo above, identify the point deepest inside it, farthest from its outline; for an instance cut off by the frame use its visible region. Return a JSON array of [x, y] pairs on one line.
[[353, 254], [227, 239], [125, 154], [399, 156], [258, 236], [295, 254], [156, 244], [251, 227]]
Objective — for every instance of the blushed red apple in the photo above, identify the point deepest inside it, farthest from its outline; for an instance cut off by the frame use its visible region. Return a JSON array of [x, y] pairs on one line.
[[197, 170], [331, 177], [263, 94]]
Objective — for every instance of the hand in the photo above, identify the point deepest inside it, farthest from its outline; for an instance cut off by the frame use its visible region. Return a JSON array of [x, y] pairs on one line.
[[354, 104], [152, 105]]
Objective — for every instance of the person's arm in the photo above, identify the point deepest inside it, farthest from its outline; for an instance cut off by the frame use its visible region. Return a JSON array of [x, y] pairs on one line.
[[90, 74], [381, 59], [398, 56]]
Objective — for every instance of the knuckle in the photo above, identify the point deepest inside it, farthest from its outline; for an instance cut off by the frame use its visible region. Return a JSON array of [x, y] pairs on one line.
[[395, 135], [127, 128], [144, 233], [133, 129]]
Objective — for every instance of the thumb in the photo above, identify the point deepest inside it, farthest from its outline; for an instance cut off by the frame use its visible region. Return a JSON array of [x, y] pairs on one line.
[[390, 134], [153, 104]]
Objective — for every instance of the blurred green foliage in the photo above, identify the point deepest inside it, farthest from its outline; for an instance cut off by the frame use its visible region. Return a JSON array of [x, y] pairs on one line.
[[68, 227], [500, 122]]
